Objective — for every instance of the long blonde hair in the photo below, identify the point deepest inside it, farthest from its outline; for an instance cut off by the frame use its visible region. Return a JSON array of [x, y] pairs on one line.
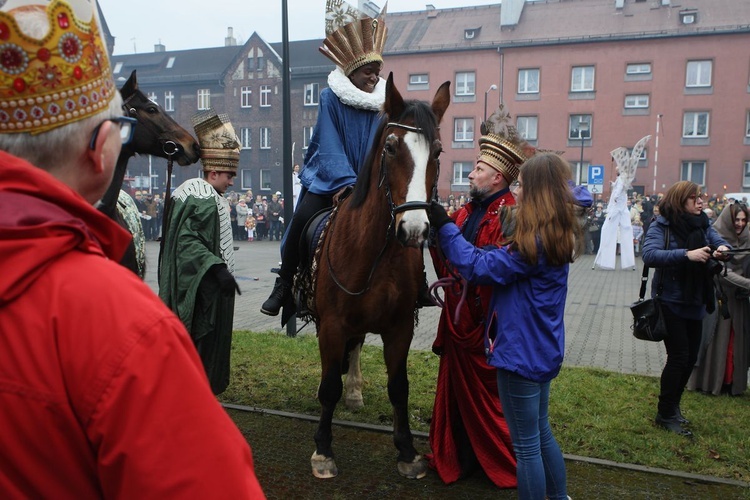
[[546, 214]]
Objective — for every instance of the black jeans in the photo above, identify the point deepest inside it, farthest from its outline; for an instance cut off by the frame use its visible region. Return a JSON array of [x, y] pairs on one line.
[[306, 209], [682, 346]]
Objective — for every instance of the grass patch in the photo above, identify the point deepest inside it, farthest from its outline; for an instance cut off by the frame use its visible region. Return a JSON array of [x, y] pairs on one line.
[[594, 413]]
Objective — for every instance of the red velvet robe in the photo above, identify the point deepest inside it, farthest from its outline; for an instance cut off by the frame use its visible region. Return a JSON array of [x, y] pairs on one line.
[[467, 385]]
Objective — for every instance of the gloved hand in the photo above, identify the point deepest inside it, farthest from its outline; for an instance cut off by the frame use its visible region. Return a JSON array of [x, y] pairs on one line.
[[226, 281], [438, 216]]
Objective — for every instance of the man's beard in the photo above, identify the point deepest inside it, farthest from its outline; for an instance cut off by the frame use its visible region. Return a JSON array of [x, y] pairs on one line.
[[478, 193]]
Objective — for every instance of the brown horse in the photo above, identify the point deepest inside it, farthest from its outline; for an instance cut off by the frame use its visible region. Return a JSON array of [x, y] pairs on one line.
[[156, 134], [370, 267]]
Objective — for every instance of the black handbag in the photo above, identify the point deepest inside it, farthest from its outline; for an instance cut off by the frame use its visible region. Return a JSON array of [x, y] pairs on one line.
[[648, 319]]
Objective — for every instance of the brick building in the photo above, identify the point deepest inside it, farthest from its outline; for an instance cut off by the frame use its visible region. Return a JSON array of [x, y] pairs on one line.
[[579, 76]]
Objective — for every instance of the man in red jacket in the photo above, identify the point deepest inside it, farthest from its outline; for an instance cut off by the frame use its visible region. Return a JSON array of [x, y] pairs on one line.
[[468, 429], [102, 392]]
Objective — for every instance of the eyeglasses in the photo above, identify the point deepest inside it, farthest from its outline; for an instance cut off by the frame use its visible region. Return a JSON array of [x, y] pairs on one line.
[[515, 185], [127, 128]]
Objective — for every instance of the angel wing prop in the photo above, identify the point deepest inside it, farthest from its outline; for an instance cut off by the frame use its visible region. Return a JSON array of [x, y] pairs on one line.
[[627, 164]]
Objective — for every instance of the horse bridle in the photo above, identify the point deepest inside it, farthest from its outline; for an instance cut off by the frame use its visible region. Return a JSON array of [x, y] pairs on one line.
[[394, 210]]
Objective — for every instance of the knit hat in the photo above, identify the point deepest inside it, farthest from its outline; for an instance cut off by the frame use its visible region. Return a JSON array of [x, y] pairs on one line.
[[220, 148], [353, 39], [501, 147], [55, 74]]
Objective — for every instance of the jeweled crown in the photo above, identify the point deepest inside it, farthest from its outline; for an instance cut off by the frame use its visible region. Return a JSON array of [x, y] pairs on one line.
[[353, 39], [220, 148], [58, 78]]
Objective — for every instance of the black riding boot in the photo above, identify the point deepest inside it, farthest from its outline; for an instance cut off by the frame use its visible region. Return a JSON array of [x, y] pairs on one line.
[[280, 296]]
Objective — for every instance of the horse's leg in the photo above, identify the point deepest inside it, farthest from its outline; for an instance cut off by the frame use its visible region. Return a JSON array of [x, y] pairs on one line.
[[353, 382], [332, 350], [395, 350]]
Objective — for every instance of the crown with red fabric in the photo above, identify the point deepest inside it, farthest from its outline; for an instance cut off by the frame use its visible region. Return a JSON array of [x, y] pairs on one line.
[[51, 73]]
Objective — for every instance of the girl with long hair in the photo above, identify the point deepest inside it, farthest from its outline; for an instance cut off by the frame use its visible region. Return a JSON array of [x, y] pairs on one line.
[[525, 335], [684, 281]]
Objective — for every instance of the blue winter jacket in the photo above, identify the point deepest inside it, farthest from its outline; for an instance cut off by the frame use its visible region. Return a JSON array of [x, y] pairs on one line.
[[332, 162], [525, 331], [668, 264]]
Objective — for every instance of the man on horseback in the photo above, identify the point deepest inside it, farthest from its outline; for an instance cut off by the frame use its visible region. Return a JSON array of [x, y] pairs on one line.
[[197, 261], [462, 439], [101, 390], [348, 116]]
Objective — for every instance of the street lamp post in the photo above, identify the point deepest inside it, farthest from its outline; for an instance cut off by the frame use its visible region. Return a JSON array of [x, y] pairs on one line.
[[583, 129], [492, 87]]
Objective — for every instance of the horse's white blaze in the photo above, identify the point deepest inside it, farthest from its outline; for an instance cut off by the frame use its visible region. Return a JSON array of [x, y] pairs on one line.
[[414, 222]]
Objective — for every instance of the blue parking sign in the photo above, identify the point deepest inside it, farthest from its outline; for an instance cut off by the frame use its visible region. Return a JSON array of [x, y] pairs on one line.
[[596, 174]]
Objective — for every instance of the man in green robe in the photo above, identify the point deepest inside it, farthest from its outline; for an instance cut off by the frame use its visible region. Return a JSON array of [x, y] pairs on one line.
[[197, 259]]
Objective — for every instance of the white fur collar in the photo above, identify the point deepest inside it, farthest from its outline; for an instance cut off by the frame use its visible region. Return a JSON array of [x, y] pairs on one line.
[[340, 84]]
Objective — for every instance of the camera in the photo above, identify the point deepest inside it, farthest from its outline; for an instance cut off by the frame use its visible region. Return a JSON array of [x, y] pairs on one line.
[[713, 266]]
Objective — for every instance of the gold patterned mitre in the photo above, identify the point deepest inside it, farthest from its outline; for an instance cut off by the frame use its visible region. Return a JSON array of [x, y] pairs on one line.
[[501, 146], [220, 148], [353, 39], [55, 76]]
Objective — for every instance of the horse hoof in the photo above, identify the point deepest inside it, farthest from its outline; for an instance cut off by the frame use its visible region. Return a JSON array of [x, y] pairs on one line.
[[354, 403], [323, 467], [416, 469]]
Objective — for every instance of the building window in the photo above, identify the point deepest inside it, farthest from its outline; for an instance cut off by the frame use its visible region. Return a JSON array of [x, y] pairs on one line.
[[118, 68], [168, 101], [463, 129], [461, 171], [694, 171], [265, 138], [746, 175], [312, 90], [152, 97], [170, 63], [695, 124], [306, 137], [246, 138], [465, 84], [636, 101], [246, 93], [204, 99], [246, 180], [265, 96], [265, 178], [698, 74], [580, 127], [638, 69], [419, 79], [261, 63], [528, 81], [582, 79], [527, 127], [250, 63], [747, 125]]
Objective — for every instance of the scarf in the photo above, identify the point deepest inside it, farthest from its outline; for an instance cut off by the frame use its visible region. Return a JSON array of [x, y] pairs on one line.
[[690, 232]]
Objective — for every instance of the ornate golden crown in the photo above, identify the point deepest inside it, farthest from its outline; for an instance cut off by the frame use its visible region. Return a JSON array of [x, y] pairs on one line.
[[58, 79], [501, 146], [220, 148], [352, 39]]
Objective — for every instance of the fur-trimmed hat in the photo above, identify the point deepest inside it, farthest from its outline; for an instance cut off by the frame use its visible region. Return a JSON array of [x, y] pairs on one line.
[[55, 72], [220, 147], [501, 146], [353, 39]]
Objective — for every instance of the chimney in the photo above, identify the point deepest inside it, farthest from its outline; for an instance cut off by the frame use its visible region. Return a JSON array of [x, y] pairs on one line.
[[619, 4], [230, 41], [665, 3], [431, 11], [160, 47], [510, 12]]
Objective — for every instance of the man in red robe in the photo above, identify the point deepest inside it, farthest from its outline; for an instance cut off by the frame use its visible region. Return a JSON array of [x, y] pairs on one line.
[[468, 429]]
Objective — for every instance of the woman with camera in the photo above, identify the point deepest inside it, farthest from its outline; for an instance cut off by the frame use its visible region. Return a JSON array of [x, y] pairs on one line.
[[725, 348], [684, 281]]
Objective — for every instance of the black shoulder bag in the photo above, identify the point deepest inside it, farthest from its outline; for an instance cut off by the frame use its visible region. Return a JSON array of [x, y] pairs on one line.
[[648, 320]]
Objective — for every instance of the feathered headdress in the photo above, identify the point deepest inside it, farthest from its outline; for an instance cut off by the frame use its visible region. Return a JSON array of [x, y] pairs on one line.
[[501, 146], [352, 38]]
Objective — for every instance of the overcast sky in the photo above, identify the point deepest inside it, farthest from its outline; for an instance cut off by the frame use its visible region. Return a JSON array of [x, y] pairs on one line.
[[182, 24]]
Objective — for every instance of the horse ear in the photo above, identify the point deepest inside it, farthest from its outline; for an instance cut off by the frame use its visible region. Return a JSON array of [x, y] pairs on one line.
[[130, 86], [441, 100], [394, 103]]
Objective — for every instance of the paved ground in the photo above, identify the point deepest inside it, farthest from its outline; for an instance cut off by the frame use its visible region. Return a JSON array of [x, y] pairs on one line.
[[597, 317]]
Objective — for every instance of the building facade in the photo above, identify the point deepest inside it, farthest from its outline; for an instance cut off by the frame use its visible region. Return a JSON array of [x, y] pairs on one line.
[[579, 76]]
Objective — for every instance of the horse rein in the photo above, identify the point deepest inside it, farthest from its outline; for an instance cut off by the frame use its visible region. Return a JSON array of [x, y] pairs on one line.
[[169, 148], [393, 208]]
